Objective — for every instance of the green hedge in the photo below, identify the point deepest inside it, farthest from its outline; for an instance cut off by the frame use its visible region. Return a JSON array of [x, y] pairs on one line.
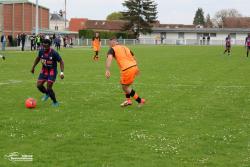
[[105, 35]]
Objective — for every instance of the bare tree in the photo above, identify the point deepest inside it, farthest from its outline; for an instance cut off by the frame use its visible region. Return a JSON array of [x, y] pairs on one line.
[[208, 21], [222, 14]]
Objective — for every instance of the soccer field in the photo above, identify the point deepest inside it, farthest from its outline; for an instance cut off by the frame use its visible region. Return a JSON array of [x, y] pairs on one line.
[[197, 111]]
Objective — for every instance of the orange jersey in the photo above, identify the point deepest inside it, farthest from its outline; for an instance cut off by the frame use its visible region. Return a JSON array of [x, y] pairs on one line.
[[123, 56], [96, 43]]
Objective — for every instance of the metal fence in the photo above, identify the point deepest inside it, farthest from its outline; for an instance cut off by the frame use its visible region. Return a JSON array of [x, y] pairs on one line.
[[150, 41], [78, 42], [188, 42], [104, 42]]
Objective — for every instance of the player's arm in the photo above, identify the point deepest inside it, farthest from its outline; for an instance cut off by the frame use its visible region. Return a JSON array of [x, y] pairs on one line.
[[62, 68], [110, 55], [34, 65], [132, 53], [108, 64], [60, 60]]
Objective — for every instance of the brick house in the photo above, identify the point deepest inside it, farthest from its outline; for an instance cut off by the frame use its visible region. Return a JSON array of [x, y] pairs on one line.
[[236, 22], [96, 25], [18, 16], [77, 24]]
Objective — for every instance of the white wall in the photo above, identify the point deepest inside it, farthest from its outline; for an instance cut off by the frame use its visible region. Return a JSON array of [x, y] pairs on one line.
[[60, 24], [241, 36], [191, 39], [170, 36]]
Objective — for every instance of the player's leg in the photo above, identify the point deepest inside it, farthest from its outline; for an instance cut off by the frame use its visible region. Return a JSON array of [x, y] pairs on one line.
[[225, 50], [127, 78], [42, 89], [40, 84], [229, 51], [248, 48], [94, 55], [127, 91], [51, 93], [50, 82], [97, 55], [131, 92]]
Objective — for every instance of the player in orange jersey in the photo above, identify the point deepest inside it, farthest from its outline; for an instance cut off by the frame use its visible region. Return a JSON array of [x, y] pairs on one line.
[[96, 45], [128, 69]]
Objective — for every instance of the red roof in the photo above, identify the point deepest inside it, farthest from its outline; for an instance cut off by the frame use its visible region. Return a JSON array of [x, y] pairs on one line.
[[236, 22], [104, 25], [158, 25], [76, 24]]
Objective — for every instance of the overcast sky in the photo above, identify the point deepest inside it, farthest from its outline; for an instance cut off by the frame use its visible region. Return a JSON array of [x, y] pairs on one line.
[[169, 11]]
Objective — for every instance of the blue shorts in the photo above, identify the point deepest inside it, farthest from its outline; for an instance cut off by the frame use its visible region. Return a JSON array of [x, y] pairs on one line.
[[47, 75]]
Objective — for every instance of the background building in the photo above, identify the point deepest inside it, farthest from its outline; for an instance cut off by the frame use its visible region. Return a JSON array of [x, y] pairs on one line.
[[57, 22], [191, 35], [77, 24], [18, 16]]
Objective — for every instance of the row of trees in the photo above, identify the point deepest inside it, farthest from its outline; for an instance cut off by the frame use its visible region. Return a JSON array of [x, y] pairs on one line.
[[141, 14], [218, 19]]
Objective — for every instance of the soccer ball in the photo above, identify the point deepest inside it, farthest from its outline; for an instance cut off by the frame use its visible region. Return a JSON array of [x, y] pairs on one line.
[[30, 103]]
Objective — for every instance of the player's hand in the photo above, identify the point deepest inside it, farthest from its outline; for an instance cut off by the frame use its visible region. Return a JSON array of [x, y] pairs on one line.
[[107, 74], [32, 70], [62, 75]]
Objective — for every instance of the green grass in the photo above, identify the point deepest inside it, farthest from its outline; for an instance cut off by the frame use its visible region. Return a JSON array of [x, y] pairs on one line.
[[197, 111]]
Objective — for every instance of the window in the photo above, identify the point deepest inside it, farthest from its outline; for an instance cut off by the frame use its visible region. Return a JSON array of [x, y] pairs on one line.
[[181, 35], [212, 34], [56, 28], [206, 34], [233, 35]]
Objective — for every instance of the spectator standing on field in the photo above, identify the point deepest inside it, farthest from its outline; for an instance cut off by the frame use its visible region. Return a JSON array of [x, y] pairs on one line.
[[57, 43], [38, 42], [32, 42], [23, 38], [203, 40], [3, 41], [208, 40]]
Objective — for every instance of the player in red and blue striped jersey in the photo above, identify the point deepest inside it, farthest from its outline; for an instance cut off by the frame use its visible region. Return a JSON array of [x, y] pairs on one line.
[[49, 58], [228, 45], [247, 43]]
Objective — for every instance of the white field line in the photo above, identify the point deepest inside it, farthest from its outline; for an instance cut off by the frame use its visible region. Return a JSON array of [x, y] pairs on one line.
[[10, 82]]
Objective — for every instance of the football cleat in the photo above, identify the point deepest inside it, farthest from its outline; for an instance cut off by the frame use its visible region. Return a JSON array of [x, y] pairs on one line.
[[56, 104], [45, 97], [143, 101], [126, 103]]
